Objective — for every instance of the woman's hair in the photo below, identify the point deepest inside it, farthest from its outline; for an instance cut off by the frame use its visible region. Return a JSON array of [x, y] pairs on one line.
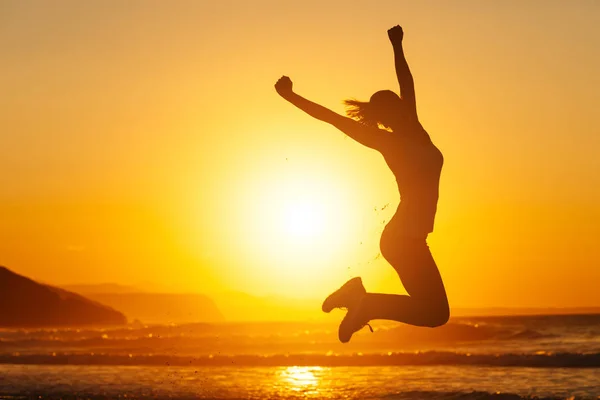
[[370, 112], [362, 111]]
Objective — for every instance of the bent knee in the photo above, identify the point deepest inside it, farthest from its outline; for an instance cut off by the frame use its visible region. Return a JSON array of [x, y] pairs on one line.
[[437, 316]]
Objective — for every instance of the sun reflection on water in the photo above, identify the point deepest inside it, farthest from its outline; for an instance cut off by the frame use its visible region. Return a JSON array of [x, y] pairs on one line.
[[301, 378]]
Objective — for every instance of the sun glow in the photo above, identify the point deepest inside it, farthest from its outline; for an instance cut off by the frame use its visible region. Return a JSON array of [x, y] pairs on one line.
[[304, 220], [296, 226]]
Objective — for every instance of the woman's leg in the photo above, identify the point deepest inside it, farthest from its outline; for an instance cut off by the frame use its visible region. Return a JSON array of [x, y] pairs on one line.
[[426, 304]]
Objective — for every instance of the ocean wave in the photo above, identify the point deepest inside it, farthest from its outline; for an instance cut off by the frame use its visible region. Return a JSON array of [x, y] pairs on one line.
[[464, 332], [270, 332], [430, 358]]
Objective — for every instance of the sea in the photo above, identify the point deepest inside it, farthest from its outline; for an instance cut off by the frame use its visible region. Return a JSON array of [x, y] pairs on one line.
[[500, 357]]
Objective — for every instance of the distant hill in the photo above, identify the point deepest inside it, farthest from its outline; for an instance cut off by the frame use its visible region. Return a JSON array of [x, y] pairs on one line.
[[161, 308], [101, 288], [152, 307], [27, 304]]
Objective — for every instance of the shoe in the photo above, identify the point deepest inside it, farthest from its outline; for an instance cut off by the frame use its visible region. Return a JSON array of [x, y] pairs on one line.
[[346, 296], [351, 323]]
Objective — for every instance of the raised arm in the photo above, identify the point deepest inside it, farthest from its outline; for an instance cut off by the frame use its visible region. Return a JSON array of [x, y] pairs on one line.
[[405, 79], [369, 136]]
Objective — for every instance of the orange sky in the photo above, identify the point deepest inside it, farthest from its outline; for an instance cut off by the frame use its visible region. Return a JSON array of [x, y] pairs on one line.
[[143, 143]]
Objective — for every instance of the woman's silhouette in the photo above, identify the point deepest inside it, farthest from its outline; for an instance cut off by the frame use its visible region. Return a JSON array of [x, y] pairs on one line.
[[416, 164]]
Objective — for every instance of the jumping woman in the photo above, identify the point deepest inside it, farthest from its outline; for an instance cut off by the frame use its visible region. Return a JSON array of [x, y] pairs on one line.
[[416, 163]]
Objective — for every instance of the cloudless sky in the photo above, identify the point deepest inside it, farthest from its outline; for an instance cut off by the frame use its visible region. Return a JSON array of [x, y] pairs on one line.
[[142, 143]]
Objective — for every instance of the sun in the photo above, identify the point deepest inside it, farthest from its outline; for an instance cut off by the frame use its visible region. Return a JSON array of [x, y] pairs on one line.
[[302, 226], [293, 227], [296, 230], [304, 220]]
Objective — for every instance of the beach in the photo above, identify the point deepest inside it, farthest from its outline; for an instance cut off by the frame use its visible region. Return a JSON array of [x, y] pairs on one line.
[[512, 357]]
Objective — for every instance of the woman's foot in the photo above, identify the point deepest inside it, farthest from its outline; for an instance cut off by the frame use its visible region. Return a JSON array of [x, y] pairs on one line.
[[345, 297], [352, 322]]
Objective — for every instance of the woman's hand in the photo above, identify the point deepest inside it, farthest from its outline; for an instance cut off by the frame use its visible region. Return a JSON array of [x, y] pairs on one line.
[[284, 86], [396, 34]]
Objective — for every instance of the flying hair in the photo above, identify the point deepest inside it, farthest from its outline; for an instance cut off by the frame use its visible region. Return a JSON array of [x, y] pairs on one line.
[[361, 111]]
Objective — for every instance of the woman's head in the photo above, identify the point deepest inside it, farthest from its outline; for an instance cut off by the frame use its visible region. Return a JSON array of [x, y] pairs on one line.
[[383, 108]]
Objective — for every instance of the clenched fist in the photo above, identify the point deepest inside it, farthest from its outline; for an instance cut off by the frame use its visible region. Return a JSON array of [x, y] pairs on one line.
[[396, 34], [284, 86]]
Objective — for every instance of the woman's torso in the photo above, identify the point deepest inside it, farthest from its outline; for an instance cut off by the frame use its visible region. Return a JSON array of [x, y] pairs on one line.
[[417, 164]]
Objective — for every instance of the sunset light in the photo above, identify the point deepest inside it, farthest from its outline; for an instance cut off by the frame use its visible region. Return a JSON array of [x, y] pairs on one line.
[[295, 228], [304, 220], [195, 162], [307, 199]]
